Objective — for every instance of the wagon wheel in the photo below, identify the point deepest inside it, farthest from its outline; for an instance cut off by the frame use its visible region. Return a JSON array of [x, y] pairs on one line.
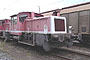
[[80, 38], [46, 46], [69, 42]]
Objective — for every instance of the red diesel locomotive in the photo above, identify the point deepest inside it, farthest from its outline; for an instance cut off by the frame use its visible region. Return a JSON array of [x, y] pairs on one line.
[[34, 29], [4, 26]]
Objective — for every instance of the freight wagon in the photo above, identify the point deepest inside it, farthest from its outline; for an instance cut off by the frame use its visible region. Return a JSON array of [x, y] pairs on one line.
[[78, 16], [80, 20]]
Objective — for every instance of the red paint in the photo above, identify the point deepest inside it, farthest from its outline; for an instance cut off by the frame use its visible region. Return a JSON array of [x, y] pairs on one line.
[[37, 24], [4, 24]]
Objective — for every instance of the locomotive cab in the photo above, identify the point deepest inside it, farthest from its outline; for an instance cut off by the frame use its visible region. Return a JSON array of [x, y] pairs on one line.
[[18, 21], [17, 25]]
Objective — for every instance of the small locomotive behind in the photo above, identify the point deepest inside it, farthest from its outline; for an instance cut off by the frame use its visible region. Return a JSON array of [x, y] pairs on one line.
[[4, 26], [33, 29]]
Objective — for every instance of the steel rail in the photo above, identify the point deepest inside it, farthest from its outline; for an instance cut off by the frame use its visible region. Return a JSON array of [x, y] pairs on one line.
[[77, 51], [63, 57]]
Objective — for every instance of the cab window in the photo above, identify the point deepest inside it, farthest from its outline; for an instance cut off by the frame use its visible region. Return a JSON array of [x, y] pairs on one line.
[[14, 19], [22, 18], [0, 22]]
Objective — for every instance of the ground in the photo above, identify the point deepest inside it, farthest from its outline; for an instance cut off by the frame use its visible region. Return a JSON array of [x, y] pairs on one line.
[[15, 51]]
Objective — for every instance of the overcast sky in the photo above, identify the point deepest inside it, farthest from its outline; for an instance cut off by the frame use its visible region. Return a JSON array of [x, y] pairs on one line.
[[10, 7]]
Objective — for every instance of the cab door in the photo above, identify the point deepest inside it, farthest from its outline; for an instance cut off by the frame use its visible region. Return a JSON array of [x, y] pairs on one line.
[[14, 25]]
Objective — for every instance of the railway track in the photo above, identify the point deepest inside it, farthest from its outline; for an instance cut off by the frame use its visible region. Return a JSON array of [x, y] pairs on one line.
[[71, 54], [63, 57], [85, 53]]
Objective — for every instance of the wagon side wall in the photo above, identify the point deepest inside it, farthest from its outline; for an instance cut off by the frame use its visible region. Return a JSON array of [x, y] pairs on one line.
[[80, 20]]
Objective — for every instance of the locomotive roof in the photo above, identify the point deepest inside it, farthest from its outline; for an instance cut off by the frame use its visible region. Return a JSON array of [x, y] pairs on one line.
[[13, 15], [24, 12], [28, 12]]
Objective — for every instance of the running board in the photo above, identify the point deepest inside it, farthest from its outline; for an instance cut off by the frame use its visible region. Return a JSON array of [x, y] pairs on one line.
[[26, 43]]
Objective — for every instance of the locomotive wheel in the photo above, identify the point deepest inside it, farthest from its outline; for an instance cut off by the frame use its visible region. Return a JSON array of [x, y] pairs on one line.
[[46, 46], [70, 43], [5, 40], [6, 37]]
